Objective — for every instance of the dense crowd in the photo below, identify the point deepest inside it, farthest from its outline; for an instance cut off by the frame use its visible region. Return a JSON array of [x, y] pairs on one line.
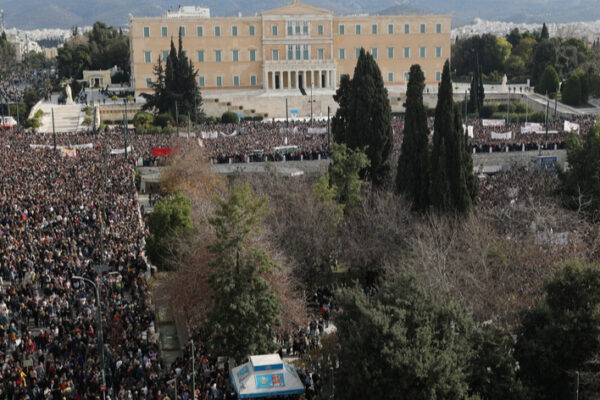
[[16, 82]]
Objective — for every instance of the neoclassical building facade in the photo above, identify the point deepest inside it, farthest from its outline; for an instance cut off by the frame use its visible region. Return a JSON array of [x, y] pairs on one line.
[[294, 47]]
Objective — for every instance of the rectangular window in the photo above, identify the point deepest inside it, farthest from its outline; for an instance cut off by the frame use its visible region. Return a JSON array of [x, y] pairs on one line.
[[438, 76], [217, 31], [320, 30], [252, 55], [146, 31], [236, 80], [252, 80], [218, 55], [252, 31], [357, 51], [374, 29], [320, 54], [182, 31], [407, 52], [341, 29], [305, 28], [390, 77], [235, 55], [342, 54], [148, 82], [199, 31], [219, 81], [438, 52], [147, 56], [165, 55], [290, 52], [164, 32], [200, 55], [390, 52], [201, 81], [422, 52], [406, 76], [406, 28], [234, 30], [374, 52], [422, 28], [298, 52], [290, 29], [275, 55], [391, 29], [274, 30], [306, 52], [357, 29], [438, 28]]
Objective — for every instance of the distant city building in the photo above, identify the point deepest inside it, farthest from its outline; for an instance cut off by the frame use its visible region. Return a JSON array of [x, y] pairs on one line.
[[23, 46], [291, 47]]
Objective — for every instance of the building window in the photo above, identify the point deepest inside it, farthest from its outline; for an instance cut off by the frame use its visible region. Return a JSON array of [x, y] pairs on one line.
[[290, 55], [164, 32], [218, 55], [390, 77], [146, 31], [147, 56], [422, 52], [165, 55], [274, 30], [306, 52], [305, 28], [252, 80], [374, 52], [407, 52], [252, 55], [357, 51], [320, 30], [201, 81], [235, 55], [357, 29], [341, 29], [298, 52], [252, 30], [234, 30], [438, 52], [236, 80], [391, 29], [406, 76], [374, 29], [406, 28], [290, 29], [390, 52], [182, 31], [275, 54], [342, 54], [422, 28], [438, 28], [320, 54], [149, 83], [217, 31], [219, 81], [438, 76], [200, 55], [199, 31]]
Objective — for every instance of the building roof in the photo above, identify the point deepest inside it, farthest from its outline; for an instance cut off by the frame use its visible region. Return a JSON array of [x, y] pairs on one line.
[[297, 8]]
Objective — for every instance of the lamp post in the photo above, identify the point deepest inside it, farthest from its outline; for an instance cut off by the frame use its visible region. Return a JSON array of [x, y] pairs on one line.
[[100, 335], [125, 131]]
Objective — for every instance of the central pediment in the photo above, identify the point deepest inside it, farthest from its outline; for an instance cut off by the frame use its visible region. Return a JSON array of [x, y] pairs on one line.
[[297, 8]]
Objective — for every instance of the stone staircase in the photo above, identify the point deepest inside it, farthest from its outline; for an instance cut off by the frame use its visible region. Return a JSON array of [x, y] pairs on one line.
[[67, 118]]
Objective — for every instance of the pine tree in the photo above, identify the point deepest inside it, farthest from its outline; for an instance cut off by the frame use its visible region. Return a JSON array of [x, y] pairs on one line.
[[453, 187], [366, 118], [413, 175], [246, 310]]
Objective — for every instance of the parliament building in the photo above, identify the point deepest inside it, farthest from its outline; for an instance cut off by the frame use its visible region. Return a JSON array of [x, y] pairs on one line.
[[294, 47]]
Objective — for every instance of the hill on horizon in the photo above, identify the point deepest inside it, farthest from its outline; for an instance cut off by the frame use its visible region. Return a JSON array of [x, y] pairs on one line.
[[38, 14]]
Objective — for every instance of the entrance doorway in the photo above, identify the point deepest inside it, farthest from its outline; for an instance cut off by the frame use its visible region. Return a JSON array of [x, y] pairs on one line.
[[323, 80], [276, 81], [300, 81]]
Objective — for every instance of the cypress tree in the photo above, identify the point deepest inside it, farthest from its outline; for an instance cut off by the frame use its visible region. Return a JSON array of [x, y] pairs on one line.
[[413, 174], [339, 123], [367, 119], [453, 187], [474, 94], [545, 34]]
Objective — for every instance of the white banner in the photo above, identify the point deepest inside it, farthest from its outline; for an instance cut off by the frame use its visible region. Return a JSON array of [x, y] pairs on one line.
[[288, 131], [83, 146], [121, 151], [317, 131], [232, 134], [502, 136], [67, 152], [536, 126], [468, 129], [40, 146], [209, 135], [543, 132], [527, 129], [492, 122], [571, 126]]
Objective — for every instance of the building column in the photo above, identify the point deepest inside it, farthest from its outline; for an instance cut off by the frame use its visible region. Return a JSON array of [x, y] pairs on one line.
[[312, 78], [289, 79], [265, 79], [327, 79], [297, 79]]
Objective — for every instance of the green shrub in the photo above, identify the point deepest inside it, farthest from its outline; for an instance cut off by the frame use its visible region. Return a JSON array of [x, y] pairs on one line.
[[163, 120], [230, 117], [488, 110], [31, 123], [38, 114], [143, 119], [258, 118]]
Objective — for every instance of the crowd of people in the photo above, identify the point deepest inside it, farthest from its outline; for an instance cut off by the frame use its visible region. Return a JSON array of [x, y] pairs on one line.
[[17, 81]]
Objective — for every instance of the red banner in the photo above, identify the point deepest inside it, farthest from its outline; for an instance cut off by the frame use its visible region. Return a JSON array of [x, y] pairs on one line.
[[162, 151]]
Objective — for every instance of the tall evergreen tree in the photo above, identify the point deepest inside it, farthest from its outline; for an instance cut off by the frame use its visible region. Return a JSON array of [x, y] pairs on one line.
[[413, 175], [474, 93], [339, 123], [453, 187], [365, 120], [545, 34]]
